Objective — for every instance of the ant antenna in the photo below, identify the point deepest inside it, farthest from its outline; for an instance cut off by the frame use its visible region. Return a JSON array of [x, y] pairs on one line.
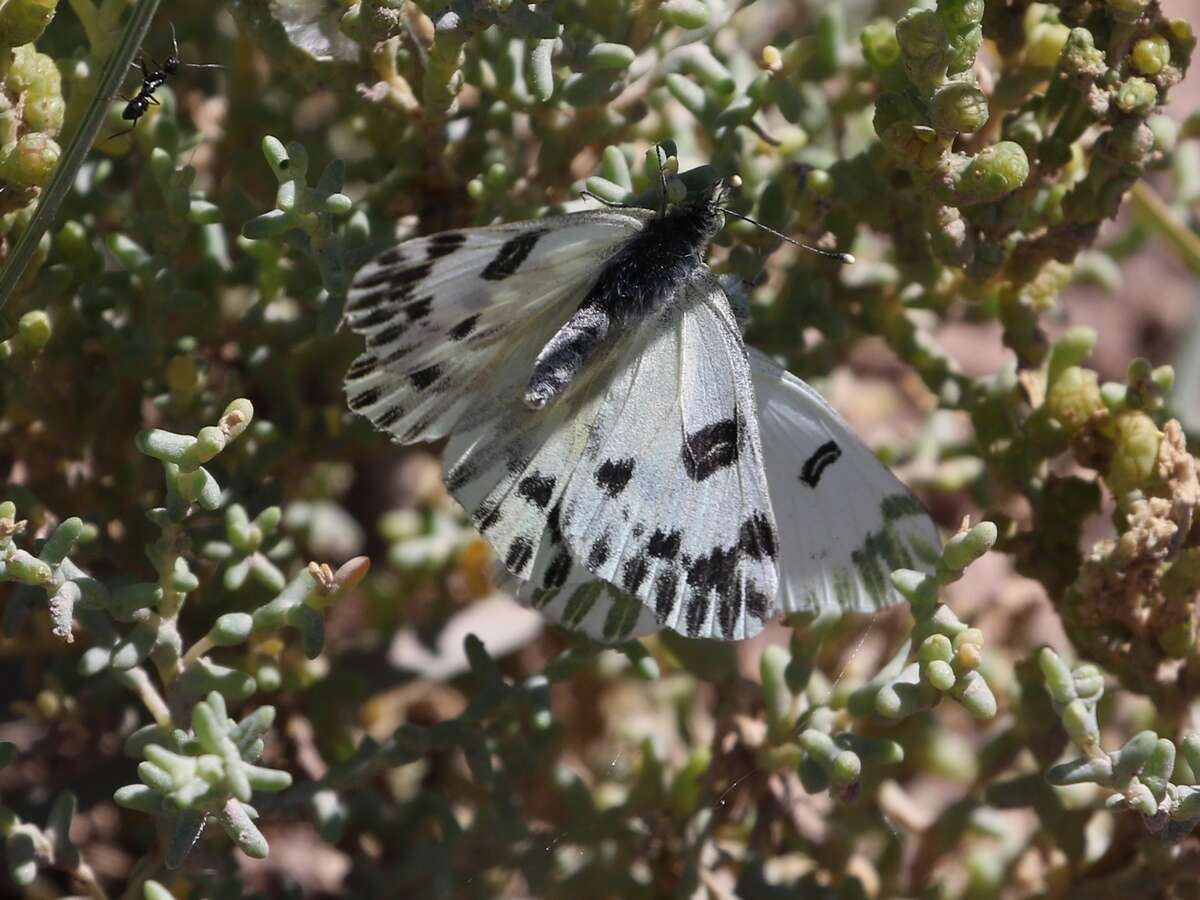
[[841, 257], [174, 62]]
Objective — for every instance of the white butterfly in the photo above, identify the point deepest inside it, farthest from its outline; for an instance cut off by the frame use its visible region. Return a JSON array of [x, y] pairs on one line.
[[604, 423]]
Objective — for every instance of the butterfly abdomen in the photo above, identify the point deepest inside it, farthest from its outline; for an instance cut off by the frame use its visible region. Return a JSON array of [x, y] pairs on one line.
[[639, 280]]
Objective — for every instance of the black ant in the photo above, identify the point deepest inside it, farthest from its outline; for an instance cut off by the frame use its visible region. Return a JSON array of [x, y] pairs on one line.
[[152, 79]]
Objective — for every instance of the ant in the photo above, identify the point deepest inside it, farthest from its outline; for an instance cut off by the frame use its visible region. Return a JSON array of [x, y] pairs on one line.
[[152, 79]]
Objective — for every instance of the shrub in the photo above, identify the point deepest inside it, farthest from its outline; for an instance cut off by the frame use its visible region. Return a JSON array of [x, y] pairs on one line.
[[195, 636]]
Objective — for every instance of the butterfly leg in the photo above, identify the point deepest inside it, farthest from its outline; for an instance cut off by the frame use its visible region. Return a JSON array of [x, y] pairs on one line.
[[662, 178], [611, 204]]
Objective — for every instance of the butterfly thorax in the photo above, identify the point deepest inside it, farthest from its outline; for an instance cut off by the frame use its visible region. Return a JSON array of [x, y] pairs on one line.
[[641, 278]]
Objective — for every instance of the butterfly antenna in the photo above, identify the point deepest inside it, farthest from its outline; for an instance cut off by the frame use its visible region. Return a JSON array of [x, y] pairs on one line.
[[841, 257]]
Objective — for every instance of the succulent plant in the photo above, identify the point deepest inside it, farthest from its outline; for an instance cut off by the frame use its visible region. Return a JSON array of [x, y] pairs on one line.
[[188, 507]]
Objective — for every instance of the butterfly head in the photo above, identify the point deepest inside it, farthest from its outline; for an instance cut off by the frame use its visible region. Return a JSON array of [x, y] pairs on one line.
[[704, 209]]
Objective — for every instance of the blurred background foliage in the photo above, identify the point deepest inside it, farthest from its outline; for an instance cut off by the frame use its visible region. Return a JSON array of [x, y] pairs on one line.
[[251, 649]]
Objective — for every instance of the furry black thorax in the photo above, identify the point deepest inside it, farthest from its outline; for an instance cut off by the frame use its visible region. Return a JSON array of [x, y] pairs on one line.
[[647, 271], [637, 281]]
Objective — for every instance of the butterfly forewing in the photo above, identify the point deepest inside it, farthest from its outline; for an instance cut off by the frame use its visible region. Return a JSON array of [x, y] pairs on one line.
[[444, 315]]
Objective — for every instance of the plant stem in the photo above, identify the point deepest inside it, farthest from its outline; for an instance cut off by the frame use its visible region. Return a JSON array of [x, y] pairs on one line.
[[81, 142], [1162, 219], [139, 682]]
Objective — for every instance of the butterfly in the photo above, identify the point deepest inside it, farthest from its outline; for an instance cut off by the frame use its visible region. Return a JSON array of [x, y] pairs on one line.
[[633, 465]]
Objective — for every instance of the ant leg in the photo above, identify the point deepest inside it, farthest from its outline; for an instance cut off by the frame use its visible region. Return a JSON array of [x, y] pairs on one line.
[[119, 134]]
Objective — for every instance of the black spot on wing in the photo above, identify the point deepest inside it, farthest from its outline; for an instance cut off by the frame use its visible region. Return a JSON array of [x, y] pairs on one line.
[[716, 571], [423, 378], [365, 399], [598, 555], [537, 489], [400, 293], [697, 606], [387, 335], [459, 475], [822, 458], [389, 417], [361, 367], [398, 354], [392, 276], [729, 610], [634, 572], [511, 254], [758, 604], [361, 301], [419, 309], [464, 328], [520, 551], [710, 449], [756, 538], [664, 545], [554, 524], [558, 570], [375, 318], [369, 278], [665, 586], [413, 274], [444, 244], [613, 475], [390, 257], [486, 517]]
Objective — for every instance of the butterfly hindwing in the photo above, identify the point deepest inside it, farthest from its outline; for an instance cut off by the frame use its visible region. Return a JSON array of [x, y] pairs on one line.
[[845, 521], [566, 592]]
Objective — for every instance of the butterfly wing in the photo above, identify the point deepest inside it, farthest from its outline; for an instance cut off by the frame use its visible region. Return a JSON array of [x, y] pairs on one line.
[[452, 325], [670, 501], [567, 593], [445, 317], [845, 521], [648, 474]]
